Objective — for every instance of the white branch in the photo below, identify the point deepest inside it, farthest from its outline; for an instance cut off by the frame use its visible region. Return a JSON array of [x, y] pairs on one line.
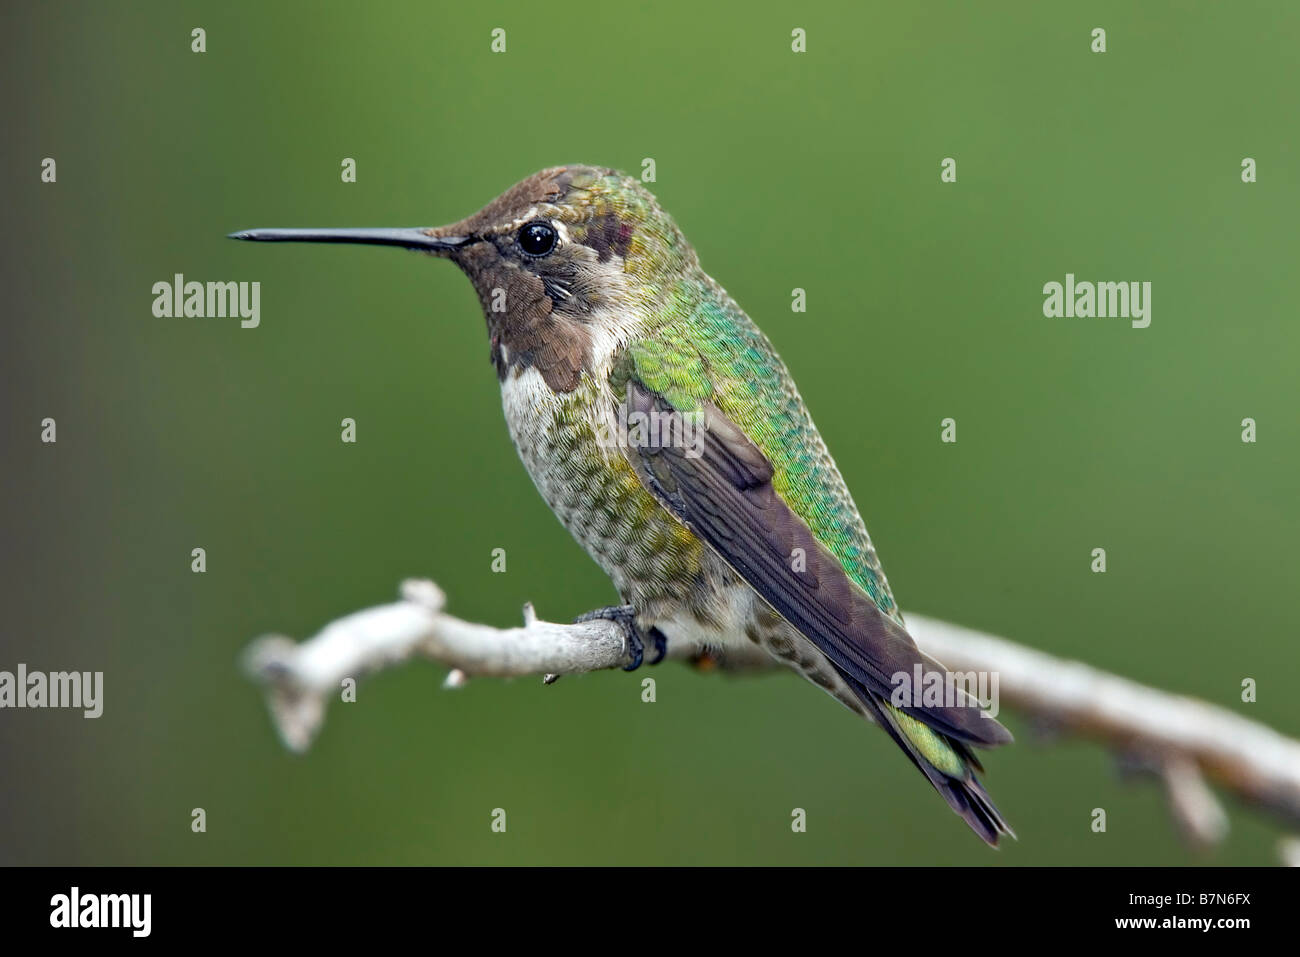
[[1182, 740], [301, 678]]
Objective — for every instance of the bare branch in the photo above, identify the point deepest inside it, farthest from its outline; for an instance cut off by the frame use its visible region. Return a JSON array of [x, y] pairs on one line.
[[1184, 741], [301, 678]]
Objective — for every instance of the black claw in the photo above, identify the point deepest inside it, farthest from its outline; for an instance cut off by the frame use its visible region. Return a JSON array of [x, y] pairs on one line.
[[660, 641]]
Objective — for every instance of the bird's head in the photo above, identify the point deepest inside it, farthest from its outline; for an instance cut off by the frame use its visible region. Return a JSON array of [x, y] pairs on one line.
[[568, 254]]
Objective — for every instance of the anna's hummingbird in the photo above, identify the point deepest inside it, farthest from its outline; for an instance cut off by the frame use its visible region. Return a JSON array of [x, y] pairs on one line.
[[662, 428]]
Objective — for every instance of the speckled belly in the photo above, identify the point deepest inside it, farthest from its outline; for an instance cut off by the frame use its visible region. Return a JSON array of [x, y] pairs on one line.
[[565, 443]]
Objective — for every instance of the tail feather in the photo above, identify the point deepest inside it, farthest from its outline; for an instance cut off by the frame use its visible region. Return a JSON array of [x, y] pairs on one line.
[[950, 771], [974, 806]]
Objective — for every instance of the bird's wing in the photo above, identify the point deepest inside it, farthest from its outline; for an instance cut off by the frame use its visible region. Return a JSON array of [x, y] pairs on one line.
[[708, 473]]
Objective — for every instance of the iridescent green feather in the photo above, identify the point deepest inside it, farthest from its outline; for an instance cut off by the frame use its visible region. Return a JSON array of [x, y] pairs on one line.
[[705, 349]]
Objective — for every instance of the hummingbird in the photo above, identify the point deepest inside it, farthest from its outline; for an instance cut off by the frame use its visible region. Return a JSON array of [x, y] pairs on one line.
[[663, 430]]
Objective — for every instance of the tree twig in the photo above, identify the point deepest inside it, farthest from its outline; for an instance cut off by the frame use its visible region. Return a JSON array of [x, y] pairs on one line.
[[1183, 741]]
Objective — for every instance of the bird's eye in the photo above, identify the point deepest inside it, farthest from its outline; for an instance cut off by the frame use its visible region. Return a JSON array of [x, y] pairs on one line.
[[537, 239]]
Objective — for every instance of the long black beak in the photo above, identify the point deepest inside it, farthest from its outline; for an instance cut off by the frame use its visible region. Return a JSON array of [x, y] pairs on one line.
[[413, 238]]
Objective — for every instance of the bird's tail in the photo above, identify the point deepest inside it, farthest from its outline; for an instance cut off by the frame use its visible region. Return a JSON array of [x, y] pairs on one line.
[[948, 764]]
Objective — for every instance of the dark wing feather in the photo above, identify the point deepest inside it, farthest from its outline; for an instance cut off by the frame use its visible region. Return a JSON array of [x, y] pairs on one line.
[[720, 486]]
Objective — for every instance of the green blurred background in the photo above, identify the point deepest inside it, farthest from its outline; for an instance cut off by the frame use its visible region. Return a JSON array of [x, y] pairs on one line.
[[818, 171]]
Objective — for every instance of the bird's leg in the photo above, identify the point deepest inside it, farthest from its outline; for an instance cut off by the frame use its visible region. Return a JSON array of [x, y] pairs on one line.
[[625, 616]]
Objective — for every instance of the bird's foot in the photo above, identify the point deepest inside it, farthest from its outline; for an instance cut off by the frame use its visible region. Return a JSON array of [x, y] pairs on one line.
[[625, 616]]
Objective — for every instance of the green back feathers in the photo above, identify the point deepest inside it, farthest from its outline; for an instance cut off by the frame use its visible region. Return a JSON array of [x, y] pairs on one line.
[[701, 347]]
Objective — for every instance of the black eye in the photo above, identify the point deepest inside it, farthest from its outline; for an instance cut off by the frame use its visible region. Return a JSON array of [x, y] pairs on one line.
[[537, 239]]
